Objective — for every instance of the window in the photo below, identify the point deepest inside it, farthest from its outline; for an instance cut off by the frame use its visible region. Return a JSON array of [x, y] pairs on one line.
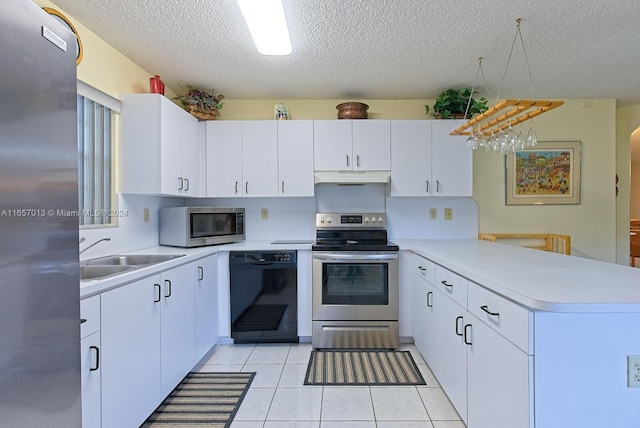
[[95, 163]]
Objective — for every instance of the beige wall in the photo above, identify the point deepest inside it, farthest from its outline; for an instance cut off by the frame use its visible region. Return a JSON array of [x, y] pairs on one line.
[[592, 224]]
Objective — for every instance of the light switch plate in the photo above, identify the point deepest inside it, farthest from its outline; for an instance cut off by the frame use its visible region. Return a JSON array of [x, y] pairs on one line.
[[433, 214], [264, 213], [448, 214]]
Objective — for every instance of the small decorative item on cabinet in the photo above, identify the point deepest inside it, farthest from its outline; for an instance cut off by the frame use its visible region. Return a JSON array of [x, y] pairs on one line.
[[156, 85], [201, 104], [352, 110], [281, 112]]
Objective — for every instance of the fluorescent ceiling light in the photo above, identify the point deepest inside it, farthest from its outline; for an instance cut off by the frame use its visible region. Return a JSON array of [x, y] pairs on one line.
[[268, 26]]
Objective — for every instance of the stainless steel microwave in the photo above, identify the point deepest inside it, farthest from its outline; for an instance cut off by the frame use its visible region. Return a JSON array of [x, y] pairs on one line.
[[199, 226]]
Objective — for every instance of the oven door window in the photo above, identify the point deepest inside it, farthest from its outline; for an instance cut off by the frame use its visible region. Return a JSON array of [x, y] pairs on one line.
[[355, 284]]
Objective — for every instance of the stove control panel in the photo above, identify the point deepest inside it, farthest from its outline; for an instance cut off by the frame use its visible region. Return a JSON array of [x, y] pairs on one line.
[[352, 220]]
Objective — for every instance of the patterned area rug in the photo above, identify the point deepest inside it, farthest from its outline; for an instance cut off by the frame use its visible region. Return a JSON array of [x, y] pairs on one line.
[[360, 367], [202, 399]]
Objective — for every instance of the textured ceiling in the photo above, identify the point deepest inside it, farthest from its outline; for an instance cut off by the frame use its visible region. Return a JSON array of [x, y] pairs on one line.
[[382, 48]]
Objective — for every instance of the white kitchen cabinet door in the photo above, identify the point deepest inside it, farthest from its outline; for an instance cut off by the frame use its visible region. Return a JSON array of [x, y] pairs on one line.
[[190, 157], [260, 158], [452, 161], [91, 380], [224, 158], [177, 327], [411, 158], [332, 145], [130, 357], [448, 359], [153, 133], [295, 158], [206, 298], [371, 145], [498, 380], [422, 310]]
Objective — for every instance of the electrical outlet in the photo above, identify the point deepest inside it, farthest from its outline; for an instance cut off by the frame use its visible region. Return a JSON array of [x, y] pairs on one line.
[[145, 215], [633, 371], [448, 214], [264, 214], [433, 214]]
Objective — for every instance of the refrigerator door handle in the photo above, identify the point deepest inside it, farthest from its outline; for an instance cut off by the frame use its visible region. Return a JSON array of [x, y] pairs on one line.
[[97, 365]]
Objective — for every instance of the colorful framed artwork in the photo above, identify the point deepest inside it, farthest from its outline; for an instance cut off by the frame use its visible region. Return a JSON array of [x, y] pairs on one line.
[[548, 173]]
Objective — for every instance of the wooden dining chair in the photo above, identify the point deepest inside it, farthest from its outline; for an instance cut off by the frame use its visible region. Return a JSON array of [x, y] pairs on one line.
[[487, 237], [558, 244]]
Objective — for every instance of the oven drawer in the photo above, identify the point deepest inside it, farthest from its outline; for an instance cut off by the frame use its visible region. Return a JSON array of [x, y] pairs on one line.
[[452, 284], [355, 334]]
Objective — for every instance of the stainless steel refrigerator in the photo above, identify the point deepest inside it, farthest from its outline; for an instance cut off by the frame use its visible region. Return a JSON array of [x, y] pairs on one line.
[[39, 280]]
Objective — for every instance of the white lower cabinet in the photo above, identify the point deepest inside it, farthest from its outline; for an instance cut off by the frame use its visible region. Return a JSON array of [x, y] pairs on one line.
[[148, 343], [478, 349], [207, 325], [131, 352], [91, 372], [498, 380]]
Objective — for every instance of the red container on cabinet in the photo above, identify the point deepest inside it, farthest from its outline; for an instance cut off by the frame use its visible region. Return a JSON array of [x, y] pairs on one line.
[[156, 85]]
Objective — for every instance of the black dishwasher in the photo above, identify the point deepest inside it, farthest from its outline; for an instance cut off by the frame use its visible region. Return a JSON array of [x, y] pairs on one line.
[[264, 296]]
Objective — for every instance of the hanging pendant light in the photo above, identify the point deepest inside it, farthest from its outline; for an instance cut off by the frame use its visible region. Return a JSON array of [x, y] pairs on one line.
[[494, 129]]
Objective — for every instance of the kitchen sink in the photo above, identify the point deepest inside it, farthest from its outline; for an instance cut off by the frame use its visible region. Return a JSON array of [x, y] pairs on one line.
[[89, 272], [131, 259]]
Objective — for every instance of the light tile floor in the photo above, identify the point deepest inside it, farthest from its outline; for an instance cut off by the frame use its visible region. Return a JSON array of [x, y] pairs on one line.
[[278, 398]]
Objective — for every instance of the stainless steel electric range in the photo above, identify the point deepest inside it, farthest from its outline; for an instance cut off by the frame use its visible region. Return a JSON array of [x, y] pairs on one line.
[[355, 282]]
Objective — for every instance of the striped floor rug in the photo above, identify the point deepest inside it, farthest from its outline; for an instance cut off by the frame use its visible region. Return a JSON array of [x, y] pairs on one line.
[[361, 367], [202, 400]]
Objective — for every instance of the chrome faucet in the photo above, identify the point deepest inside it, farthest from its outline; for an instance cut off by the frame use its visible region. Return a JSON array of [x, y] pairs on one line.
[[94, 244]]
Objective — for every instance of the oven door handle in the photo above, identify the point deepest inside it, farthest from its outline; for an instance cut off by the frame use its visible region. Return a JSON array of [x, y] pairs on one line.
[[350, 256]]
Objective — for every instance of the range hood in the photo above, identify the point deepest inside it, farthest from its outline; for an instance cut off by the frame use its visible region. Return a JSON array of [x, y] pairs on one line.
[[352, 177]]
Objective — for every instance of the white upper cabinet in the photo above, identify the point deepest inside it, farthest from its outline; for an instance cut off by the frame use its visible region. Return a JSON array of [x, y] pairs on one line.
[[162, 137], [295, 158], [260, 158], [411, 158], [427, 161], [224, 158], [352, 145], [242, 158], [452, 161]]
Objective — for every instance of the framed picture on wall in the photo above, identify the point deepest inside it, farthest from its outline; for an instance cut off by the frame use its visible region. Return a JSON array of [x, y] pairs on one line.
[[548, 173]]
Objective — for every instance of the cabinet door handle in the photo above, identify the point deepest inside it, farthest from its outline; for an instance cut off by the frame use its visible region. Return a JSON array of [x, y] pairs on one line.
[[422, 268], [486, 309], [283, 187], [97, 365], [246, 187], [444, 282], [467, 334], [83, 320], [437, 186], [430, 299], [427, 190], [186, 187], [347, 160], [201, 270], [236, 187], [358, 161], [159, 295], [167, 282], [180, 183], [458, 332]]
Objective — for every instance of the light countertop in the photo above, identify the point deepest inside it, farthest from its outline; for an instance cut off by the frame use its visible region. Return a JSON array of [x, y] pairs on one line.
[[93, 287], [537, 279]]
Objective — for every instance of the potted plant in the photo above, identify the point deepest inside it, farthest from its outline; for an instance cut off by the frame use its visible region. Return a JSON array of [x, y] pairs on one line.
[[201, 104], [452, 104]]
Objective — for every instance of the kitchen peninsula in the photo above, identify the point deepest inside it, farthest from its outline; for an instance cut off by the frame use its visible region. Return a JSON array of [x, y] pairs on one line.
[[541, 339]]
